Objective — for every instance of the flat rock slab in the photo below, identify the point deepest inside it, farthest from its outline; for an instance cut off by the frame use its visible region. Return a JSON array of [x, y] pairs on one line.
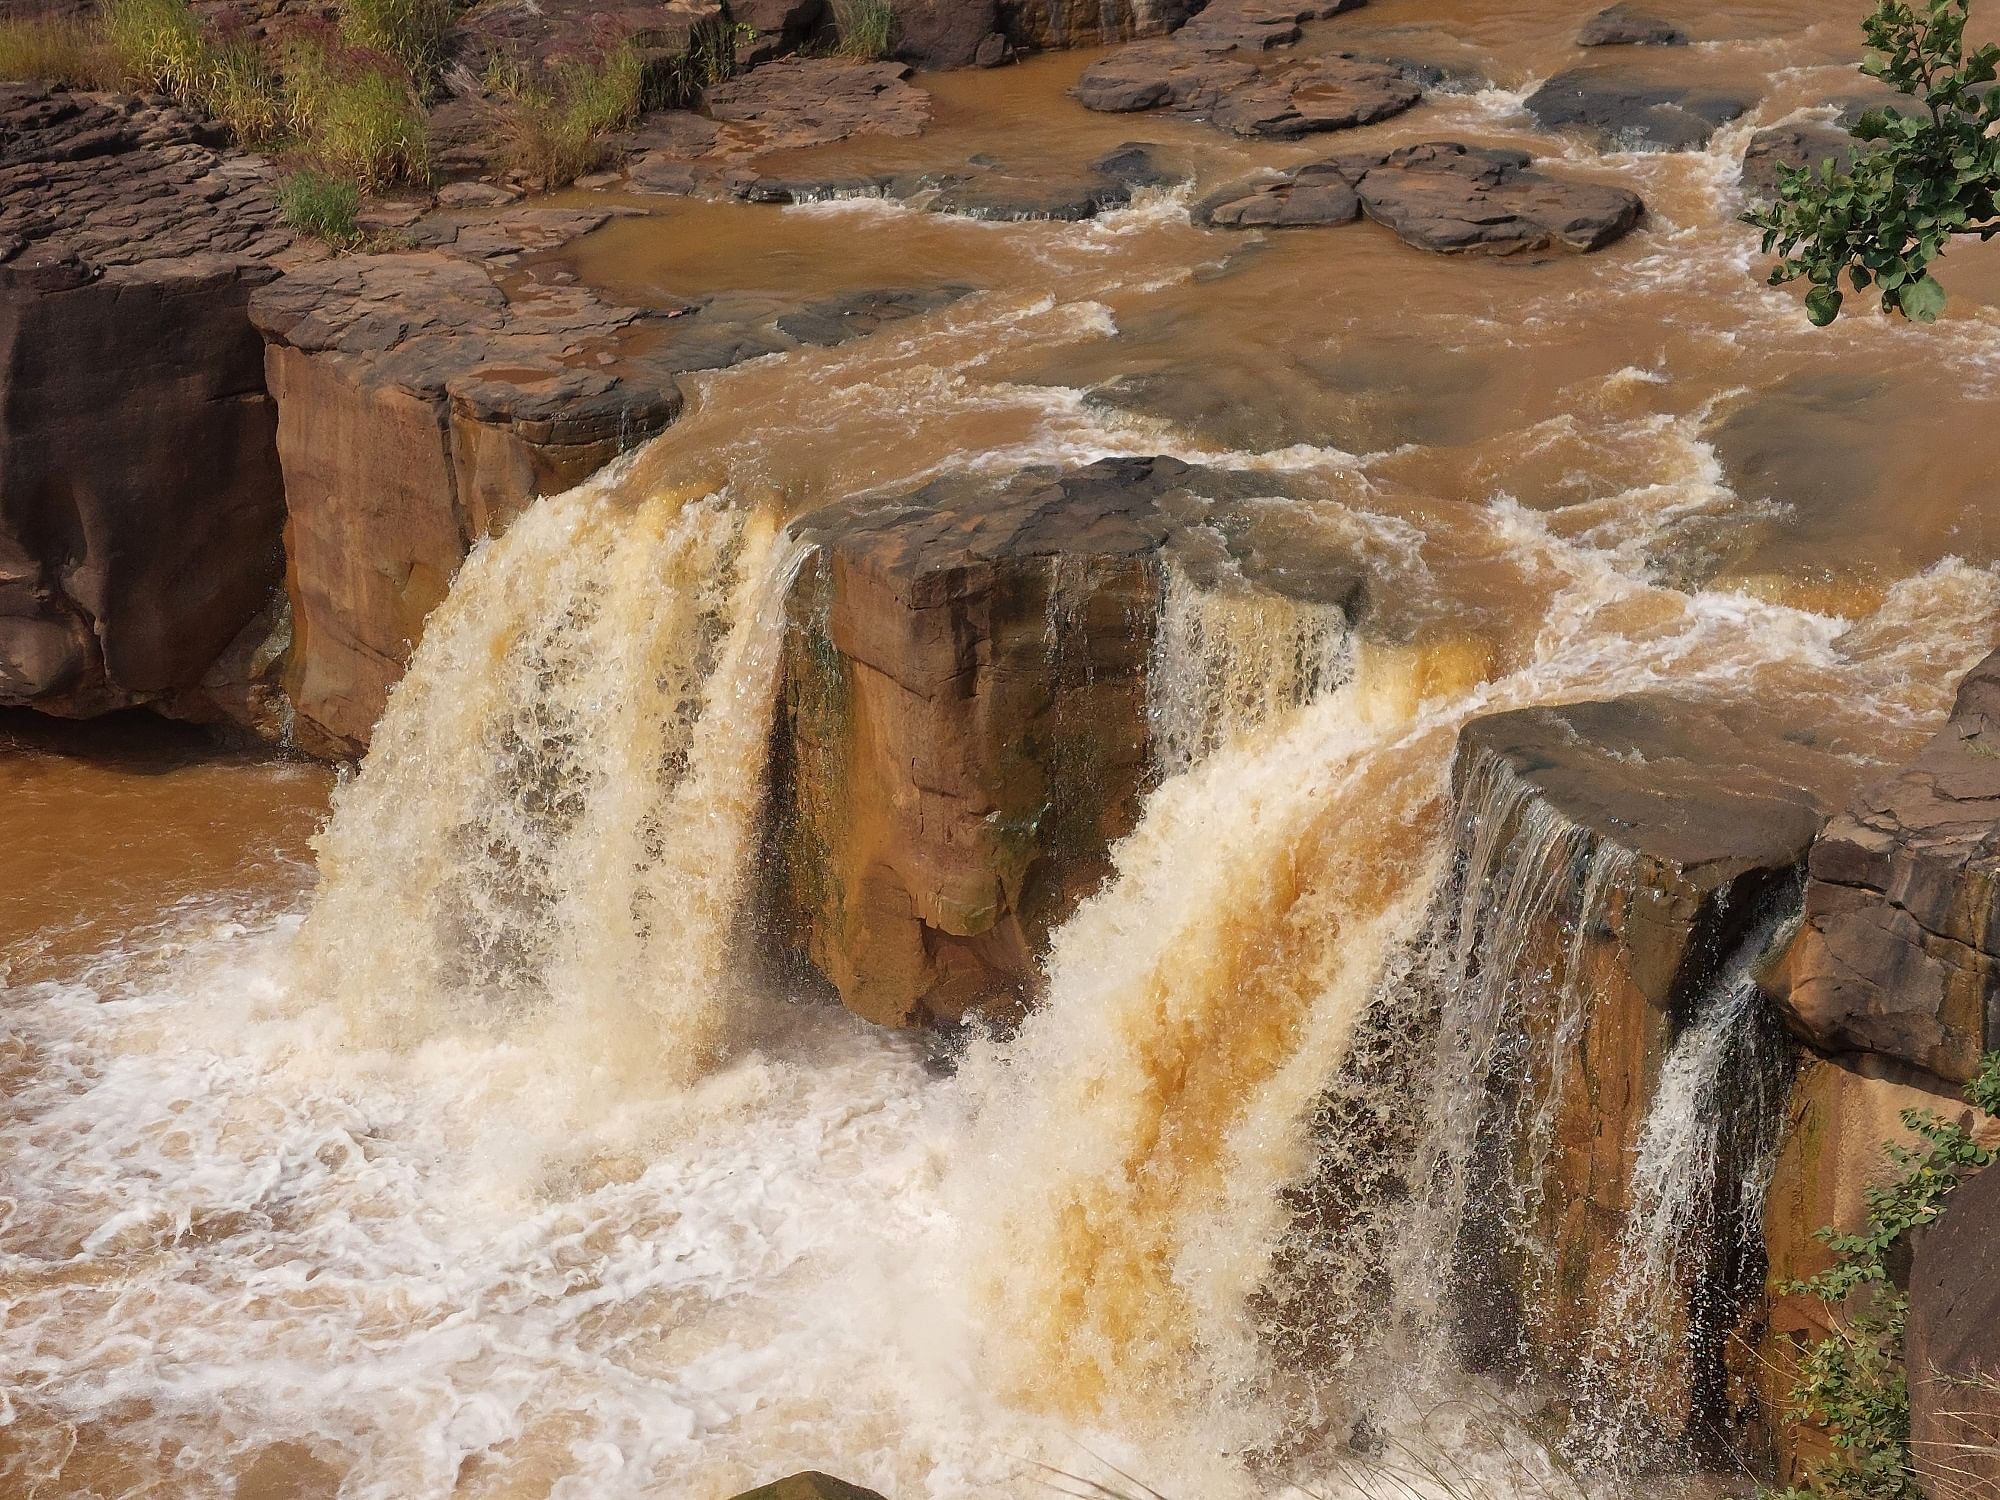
[[1254, 25], [799, 102], [1625, 112], [113, 180], [1284, 99], [1623, 26], [1441, 196]]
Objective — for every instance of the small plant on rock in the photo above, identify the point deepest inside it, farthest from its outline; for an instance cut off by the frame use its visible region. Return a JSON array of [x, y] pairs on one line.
[[1852, 1384], [322, 206], [558, 131], [1919, 179], [50, 49]]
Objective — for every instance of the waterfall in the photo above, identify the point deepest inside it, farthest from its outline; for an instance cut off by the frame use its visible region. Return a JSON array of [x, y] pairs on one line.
[[554, 824]]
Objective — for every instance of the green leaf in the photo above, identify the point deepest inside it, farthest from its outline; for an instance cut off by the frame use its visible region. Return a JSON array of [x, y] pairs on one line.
[[1921, 300], [1823, 305]]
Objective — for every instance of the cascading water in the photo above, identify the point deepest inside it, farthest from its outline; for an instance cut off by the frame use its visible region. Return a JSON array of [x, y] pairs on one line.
[[555, 822]]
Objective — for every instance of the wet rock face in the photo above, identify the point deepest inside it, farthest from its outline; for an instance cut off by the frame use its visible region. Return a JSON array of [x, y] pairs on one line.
[[984, 188], [140, 500], [1443, 196], [965, 726], [1899, 954], [1043, 25], [1630, 112], [1662, 835], [1951, 1346], [1623, 26], [1284, 100], [1794, 146]]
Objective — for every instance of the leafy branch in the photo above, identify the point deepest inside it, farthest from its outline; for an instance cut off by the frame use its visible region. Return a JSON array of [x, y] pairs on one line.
[[1923, 177]]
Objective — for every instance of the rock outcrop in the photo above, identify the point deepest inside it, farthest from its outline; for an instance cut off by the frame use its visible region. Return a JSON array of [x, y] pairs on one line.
[[1284, 99], [1627, 111], [1044, 25], [1622, 862], [984, 188], [1951, 1346], [811, 1485], [140, 498], [1899, 955], [966, 722], [1443, 196], [426, 397], [810, 101]]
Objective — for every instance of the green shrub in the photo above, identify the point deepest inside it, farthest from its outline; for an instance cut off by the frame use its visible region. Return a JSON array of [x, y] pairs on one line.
[[1852, 1384], [556, 133], [157, 44], [863, 28], [322, 206], [48, 49], [1919, 178], [411, 31], [242, 91], [353, 114]]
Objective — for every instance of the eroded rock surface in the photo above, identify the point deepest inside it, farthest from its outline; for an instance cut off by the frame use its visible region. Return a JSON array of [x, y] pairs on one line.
[[801, 101], [1627, 111], [1951, 1346], [1899, 955], [966, 724], [1667, 834], [1043, 25], [140, 499], [1284, 99], [1441, 196]]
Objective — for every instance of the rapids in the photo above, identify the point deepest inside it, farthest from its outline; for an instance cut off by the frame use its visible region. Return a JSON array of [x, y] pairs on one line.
[[469, 1148]]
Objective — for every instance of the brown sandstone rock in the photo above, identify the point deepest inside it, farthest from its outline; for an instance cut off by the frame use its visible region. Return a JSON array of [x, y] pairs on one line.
[[1843, 1117], [1284, 99], [966, 712], [1042, 25], [1951, 1346], [802, 101], [1899, 954], [1442, 196], [1696, 818], [811, 1485], [1623, 26], [140, 501]]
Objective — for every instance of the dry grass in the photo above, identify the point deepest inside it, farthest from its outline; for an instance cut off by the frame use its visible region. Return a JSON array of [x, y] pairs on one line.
[[559, 131], [51, 49]]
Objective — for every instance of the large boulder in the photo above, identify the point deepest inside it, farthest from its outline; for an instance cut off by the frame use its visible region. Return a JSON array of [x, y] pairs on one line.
[[938, 34], [1441, 196], [1285, 99], [1620, 864], [1951, 1346], [810, 1485], [1626, 111], [1041, 25], [1899, 954], [140, 497], [966, 722], [1623, 26]]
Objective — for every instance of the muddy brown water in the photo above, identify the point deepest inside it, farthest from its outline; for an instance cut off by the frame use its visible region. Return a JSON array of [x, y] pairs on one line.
[[1654, 406]]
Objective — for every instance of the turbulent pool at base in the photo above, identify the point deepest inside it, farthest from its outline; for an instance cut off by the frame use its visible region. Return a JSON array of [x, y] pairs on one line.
[[470, 1153]]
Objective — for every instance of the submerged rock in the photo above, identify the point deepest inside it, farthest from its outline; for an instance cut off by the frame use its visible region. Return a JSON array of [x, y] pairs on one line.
[[972, 710], [1442, 196], [1622, 26], [1899, 954], [1629, 112], [141, 505]]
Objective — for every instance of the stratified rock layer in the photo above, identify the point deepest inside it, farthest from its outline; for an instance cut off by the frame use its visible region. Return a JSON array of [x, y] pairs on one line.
[[1900, 952], [966, 722], [140, 499]]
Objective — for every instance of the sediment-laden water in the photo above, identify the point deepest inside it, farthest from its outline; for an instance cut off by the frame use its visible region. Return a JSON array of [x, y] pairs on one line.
[[468, 1152]]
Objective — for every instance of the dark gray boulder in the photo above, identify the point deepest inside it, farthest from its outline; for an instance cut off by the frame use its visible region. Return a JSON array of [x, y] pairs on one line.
[[1622, 26], [1628, 112]]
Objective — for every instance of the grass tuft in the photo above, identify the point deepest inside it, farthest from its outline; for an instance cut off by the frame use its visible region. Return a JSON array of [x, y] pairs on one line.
[[322, 206], [558, 131], [863, 29], [411, 31], [50, 49]]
